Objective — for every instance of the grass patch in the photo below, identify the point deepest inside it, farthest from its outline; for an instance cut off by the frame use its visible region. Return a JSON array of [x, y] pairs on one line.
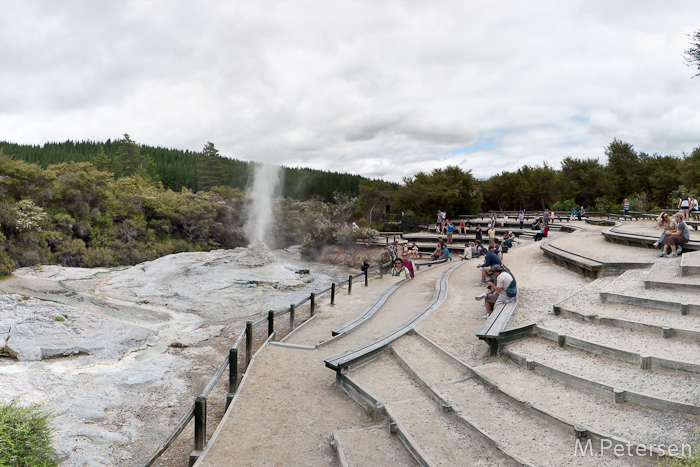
[[25, 436]]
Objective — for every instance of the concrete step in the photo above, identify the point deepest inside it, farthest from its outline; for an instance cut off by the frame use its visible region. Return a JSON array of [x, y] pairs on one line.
[[509, 423], [671, 385], [629, 341], [690, 264], [629, 289], [586, 302], [599, 411], [443, 440], [667, 274], [370, 446]]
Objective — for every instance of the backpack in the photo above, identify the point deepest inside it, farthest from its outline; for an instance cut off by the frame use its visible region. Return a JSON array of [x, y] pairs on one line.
[[512, 289]]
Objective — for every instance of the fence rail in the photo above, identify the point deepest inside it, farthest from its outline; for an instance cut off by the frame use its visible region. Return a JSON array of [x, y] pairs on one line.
[[198, 409]]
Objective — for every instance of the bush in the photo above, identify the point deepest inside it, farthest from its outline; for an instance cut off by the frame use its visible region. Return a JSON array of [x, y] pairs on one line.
[[603, 204], [25, 437], [99, 258], [566, 205], [28, 249], [6, 264], [72, 253]]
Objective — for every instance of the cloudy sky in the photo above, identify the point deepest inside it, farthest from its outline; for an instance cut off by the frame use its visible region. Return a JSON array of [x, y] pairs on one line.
[[380, 88]]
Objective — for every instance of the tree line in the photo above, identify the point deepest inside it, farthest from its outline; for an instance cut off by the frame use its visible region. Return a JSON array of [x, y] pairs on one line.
[[177, 169]]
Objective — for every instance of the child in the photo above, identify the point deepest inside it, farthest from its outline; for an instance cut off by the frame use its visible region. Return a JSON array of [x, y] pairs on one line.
[[414, 251]]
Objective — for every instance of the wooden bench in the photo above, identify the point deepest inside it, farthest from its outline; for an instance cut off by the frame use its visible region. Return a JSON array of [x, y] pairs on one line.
[[496, 324]]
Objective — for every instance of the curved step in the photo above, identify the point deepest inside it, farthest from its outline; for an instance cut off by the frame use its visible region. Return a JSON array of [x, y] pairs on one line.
[[644, 360], [611, 371], [359, 354], [618, 394]]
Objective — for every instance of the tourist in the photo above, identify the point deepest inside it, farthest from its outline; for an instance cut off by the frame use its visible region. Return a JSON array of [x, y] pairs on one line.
[[667, 223], [478, 233], [581, 213], [504, 222], [544, 232], [399, 270], [408, 264], [405, 249], [394, 250], [508, 238], [462, 227], [499, 291], [536, 222], [492, 233], [450, 229], [551, 217], [467, 251], [478, 249], [676, 238], [684, 206], [469, 225], [415, 252], [521, 219], [491, 259], [626, 206], [573, 215], [693, 204], [441, 252], [545, 216]]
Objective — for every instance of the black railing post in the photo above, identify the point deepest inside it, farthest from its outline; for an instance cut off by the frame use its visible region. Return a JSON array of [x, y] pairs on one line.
[[333, 294], [381, 271], [292, 312], [312, 300], [232, 375], [200, 428], [270, 322], [366, 283], [350, 284], [248, 343]]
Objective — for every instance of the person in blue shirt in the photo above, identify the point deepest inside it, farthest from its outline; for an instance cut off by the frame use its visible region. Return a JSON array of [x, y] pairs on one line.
[[491, 259], [450, 229]]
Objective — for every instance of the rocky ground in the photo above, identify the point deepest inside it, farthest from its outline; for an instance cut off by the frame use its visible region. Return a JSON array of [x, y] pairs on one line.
[[119, 355]]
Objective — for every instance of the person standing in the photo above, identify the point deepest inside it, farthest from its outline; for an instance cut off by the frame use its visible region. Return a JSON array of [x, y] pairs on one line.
[[450, 229], [478, 233], [492, 234], [626, 207], [408, 264], [521, 219], [684, 206]]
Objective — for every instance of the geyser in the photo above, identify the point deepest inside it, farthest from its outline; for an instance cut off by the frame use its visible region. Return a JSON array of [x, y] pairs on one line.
[[261, 193]]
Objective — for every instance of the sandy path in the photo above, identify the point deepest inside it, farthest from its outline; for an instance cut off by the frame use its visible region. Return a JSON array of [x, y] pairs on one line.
[[298, 422]]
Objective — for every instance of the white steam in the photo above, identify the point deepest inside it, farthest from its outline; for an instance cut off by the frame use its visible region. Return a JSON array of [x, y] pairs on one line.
[[261, 193]]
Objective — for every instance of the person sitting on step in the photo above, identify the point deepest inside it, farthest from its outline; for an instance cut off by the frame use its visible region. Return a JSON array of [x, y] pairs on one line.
[[676, 238], [490, 260]]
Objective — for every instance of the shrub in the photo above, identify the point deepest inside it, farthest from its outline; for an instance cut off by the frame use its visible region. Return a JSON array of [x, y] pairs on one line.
[[28, 249], [72, 253], [25, 437], [6, 264], [603, 204], [566, 205], [99, 257]]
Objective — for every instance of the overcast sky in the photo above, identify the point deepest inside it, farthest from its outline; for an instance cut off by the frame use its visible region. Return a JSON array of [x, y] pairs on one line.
[[380, 88]]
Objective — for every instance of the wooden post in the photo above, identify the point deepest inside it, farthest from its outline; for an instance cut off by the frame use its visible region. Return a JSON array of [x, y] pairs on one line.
[[200, 423], [666, 332], [644, 362], [530, 364], [561, 340], [248, 343], [333, 294], [313, 303], [619, 396], [232, 375], [292, 312], [381, 271], [350, 284], [270, 322]]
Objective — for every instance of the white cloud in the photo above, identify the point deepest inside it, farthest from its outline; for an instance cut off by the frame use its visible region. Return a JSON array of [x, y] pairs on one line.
[[383, 89]]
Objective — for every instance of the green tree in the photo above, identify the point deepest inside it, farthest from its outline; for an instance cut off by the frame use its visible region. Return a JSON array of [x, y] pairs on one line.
[[623, 170], [210, 168], [130, 161], [450, 189]]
